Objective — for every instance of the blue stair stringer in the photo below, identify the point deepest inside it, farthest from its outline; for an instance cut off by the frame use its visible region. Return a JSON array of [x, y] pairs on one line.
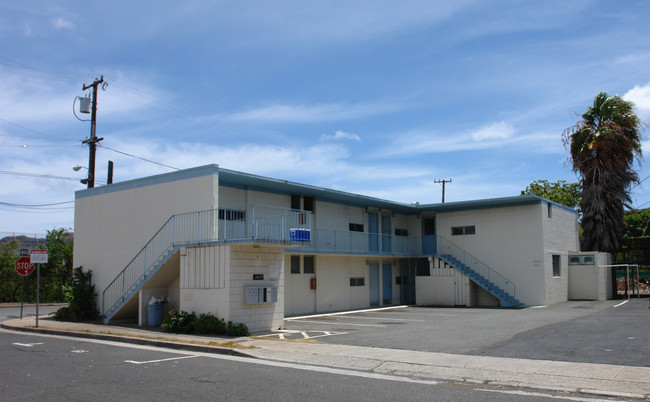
[[268, 225], [490, 280]]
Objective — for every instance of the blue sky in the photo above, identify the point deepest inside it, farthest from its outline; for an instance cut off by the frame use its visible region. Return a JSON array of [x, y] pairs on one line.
[[373, 97]]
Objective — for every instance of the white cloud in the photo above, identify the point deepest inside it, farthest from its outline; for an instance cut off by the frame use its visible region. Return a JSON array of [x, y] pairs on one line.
[[340, 135], [640, 95], [496, 135], [283, 113], [494, 131], [60, 23]]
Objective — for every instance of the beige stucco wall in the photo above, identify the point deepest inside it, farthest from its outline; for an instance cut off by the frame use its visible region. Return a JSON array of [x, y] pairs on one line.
[[114, 222], [204, 278], [445, 286], [591, 282], [511, 240]]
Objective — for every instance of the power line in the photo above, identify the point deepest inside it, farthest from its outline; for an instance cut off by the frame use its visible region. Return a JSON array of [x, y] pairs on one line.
[[41, 176], [9, 204], [138, 157], [36, 132]]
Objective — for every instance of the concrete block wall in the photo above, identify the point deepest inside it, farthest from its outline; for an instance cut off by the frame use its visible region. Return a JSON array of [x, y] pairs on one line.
[[560, 238], [245, 262]]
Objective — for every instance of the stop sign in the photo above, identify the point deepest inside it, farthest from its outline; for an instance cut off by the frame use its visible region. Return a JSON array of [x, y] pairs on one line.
[[23, 266]]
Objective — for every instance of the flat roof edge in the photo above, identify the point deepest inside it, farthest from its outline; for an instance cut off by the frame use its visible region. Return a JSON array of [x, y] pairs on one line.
[[184, 174]]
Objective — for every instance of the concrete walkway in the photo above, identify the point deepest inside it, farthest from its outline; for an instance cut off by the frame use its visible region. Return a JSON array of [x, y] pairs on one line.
[[586, 378]]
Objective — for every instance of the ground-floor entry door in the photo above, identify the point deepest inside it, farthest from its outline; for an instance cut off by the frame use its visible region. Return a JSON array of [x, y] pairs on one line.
[[387, 283], [374, 283], [407, 281]]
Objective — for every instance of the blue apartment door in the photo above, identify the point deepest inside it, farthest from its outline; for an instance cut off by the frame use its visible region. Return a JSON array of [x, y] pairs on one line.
[[374, 283], [373, 232], [429, 235], [385, 234], [387, 283]]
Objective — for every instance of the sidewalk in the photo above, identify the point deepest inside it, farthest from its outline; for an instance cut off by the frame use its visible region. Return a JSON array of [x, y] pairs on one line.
[[595, 379]]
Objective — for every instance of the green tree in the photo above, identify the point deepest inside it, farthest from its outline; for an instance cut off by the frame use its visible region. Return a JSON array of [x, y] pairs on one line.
[[58, 271], [636, 223], [604, 145], [560, 191], [10, 281]]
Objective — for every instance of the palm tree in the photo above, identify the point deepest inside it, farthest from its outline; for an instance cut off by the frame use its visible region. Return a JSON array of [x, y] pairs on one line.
[[604, 146]]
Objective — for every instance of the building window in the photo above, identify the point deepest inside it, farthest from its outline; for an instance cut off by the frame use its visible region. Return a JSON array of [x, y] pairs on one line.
[[356, 227], [463, 230], [581, 260], [357, 282], [429, 228], [295, 201], [308, 203], [308, 264], [549, 210], [401, 232], [422, 268], [231, 214], [556, 266], [295, 264]]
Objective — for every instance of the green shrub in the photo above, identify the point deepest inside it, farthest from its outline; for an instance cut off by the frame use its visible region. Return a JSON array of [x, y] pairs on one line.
[[206, 323], [179, 321], [80, 296], [237, 329], [209, 324]]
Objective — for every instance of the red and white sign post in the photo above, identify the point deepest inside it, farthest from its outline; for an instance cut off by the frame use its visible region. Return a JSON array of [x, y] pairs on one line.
[[38, 257], [24, 267]]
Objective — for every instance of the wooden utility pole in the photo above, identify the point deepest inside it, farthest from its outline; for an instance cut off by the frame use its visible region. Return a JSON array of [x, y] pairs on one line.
[[443, 187], [93, 140]]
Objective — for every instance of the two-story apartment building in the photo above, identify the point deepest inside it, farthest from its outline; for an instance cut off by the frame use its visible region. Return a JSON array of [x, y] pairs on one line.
[[253, 249]]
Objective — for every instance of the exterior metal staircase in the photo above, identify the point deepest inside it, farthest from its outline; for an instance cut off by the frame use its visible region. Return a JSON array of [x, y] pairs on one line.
[[480, 273], [258, 224]]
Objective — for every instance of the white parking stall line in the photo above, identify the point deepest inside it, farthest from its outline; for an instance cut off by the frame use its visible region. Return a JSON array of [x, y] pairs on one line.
[[345, 313], [339, 323], [376, 318], [309, 334]]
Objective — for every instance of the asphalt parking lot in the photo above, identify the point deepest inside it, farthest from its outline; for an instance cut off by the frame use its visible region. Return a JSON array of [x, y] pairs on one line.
[[606, 332]]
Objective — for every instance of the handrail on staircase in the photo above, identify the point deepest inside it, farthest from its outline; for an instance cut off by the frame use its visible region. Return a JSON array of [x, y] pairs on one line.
[[448, 248], [264, 223]]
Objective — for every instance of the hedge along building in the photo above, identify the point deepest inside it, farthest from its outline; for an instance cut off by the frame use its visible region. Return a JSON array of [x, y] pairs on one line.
[[253, 249]]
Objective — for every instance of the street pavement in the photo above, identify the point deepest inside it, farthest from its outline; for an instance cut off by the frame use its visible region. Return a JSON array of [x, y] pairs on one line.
[[618, 380]]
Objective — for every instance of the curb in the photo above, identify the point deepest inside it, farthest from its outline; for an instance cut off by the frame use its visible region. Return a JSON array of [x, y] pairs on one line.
[[136, 341]]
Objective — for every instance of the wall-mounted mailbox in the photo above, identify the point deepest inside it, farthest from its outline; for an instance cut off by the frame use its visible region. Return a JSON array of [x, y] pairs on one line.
[[259, 294]]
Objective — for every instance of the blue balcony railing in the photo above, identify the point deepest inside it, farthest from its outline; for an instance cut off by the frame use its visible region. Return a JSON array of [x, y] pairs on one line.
[[255, 224], [330, 241]]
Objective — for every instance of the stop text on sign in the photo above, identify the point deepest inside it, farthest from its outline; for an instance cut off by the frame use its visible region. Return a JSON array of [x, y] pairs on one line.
[[24, 267]]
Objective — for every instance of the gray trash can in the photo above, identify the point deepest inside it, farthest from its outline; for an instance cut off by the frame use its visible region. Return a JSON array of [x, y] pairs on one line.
[[154, 311]]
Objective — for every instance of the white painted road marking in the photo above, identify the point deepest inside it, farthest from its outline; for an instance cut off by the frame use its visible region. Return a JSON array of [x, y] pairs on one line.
[[27, 345], [281, 334], [160, 360]]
